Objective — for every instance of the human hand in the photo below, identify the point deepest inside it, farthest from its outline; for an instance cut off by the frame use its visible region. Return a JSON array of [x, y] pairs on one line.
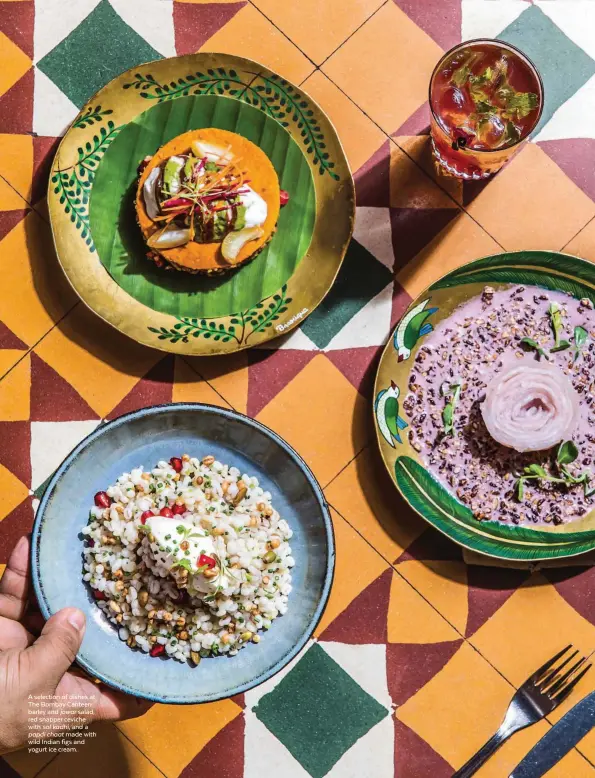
[[42, 665]]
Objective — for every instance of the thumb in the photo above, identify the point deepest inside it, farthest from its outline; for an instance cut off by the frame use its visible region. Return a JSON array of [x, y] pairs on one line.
[[55, 650]]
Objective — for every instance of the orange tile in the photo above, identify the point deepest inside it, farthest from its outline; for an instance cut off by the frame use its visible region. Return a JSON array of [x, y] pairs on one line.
[[15, 394], [443, 584], [356, 566], [16, 166], [462, 240], [419, 149], [189, 387], [374, 67], [366, 497], [318, 28], [532, 204], [228, 375], [250, 34], [410, 187], [8, 358], [171, 735], [14, 63], [12, 492], [322, 416], [2, 569], [109, 754], [358, 134], [28, 263], [99, 362], [25, 764], [202, 1], [413, 620], [583, 244]]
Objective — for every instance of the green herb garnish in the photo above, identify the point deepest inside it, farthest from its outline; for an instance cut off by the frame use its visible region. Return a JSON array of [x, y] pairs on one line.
[[533, 344], [555, 314], [454, 391], [562, 346], [581, 336], [521, 103], [185, 564], [567, 454], [461, 75]]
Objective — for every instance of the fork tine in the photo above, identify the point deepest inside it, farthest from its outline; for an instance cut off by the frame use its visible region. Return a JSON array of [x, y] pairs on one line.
[[554, 672], [560, 682], [544, 668], [561, 695]]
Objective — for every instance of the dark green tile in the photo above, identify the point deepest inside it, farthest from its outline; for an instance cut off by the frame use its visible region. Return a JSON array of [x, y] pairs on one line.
[[318, 712], [100, 48], [360, 279], [41, 489]]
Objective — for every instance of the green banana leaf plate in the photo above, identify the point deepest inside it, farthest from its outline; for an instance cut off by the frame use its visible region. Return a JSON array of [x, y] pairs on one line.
[[98, 242], [429, 498]]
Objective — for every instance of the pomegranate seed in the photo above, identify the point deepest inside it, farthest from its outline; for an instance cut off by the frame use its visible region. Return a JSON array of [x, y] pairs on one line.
[[203, 559], [99, 595], [157, 650], [176, 463], [146, 515], [167, 512], [179, 510], [283, 197], [90, 542], [102, 500], [182, 597]]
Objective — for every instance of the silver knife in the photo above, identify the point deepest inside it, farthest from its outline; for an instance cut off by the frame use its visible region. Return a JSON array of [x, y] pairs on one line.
[[560, 739]]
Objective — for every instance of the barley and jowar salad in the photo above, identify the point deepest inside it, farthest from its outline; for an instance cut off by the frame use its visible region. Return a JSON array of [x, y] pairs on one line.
[[188, 560]]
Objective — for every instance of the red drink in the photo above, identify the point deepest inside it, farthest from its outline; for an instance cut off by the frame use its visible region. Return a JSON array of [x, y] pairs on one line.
[[486, 97]]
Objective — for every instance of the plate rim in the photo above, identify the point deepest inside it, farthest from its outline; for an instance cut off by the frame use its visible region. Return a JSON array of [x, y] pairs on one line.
[[226, 413]]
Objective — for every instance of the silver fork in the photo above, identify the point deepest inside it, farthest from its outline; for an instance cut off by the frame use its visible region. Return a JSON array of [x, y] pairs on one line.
[[541, 693]]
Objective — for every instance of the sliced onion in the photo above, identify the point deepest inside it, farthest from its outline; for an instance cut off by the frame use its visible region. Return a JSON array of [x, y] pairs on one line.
[[150, 194], [211, 152], [530, 406], [234, 242], [169, 238]]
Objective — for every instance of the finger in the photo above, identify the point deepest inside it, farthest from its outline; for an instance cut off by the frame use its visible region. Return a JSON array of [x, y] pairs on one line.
[[13, 635], [55, 650], [116, 706], [14, 585]]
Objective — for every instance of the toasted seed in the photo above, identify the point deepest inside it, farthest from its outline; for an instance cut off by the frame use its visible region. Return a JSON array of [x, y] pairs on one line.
[[119, 586], [225, 638], [185, 458], [269, 557], [253, 521], [208, 460], [210, 574], [167, 616], [153, 639], [152, 614], [143, 597], [256, 639], [195, 657], [117, 574], [181, 622], [265, 579], [218, 531], [119, 618], [246, 636], [267, 512], [206, 523], [198, 480], [151, 537], [119, 508], [131, 641], [114, 606], [274, 542], [184, 545], [260, 506], [183, 635], [239, 496]]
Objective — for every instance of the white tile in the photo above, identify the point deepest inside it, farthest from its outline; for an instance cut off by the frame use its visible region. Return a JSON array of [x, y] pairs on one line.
[[296, 339], [366, 664], [53, 112], [372, 229], [576, 19], [575, 118], [371, 755], [369, 327], [252, 697], [487, 18], [265, 755], [153, 20], [55, 20], [51, 442]]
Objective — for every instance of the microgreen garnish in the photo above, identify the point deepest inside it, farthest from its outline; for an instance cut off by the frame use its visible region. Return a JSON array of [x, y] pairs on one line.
[[566, 454], [453, 391], [460, 75], [581, 336], [562, 346], [555, 313], [529, 343]]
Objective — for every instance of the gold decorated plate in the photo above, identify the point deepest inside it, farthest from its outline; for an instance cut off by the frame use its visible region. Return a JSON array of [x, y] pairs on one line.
[[426, 495], [98, 241]]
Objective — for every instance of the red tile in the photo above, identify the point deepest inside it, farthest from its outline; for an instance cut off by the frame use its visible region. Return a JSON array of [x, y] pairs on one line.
[[154, 389], [364, 620], [414, 758], [15, 449], [271, 371], [409, 666], [359, 365], [16, 107], [53, 398], [195, 23], [223, 756], [13, 527], [441, 19], [17, 22]]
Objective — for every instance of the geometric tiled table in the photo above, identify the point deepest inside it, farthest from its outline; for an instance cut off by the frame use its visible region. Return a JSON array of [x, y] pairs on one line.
[[418, 650]]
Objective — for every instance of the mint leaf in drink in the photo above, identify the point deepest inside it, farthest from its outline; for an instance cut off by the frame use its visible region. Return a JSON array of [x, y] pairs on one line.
[[520, 103], [562, 346], [512, 133], [461, 75], [482, 106], [529, 343], [567, 453]]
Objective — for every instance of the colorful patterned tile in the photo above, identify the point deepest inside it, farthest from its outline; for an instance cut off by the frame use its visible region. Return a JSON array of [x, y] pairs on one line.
[[411, 188], [414, 758], [359, 365], [575, 118], [12, 492], [51, 442], [443, 584], [155, 388], [372, 180], [322, 416], [364, 620], [365, 496], [28, 263], [318, 28], [27, 765], [484, 18], [16, 106], [374, 66], [16, 166], [419, 149], [358, 134], [101, 47], [223, 755], [553, 208], [53, 112], [189, 387], [171, 735], [44, 149], [250, 34], [462, 240], [15, 450], [439, 18], [17, 523], [583, 243], [54, 399], [14, 63], [228, 375], [101, 364], [195, 23], [489, 588], [15, 393], [269, 372], [576, 157], [16, 22], [410, 666]]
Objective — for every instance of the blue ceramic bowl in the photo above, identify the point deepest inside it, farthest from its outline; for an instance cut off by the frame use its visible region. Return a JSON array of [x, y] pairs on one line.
[[142, 438]]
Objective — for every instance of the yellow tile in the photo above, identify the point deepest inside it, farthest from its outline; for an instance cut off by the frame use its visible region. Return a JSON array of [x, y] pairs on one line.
[[358, 134], [189, 387], [16, 166], [27, 765], [374, 67], [443, 584], [462, 240], [228, 375], [412, 620], [15, 394], [172, 735], [532, 204], [410, 187], [356, 566], [366, 497], [14, 63], [12, 492], [250, 34], [8, 358], [109, 754], [583, 244], [318, 28], [322, 416], [99, 362], [28, 264], [419, 148]]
